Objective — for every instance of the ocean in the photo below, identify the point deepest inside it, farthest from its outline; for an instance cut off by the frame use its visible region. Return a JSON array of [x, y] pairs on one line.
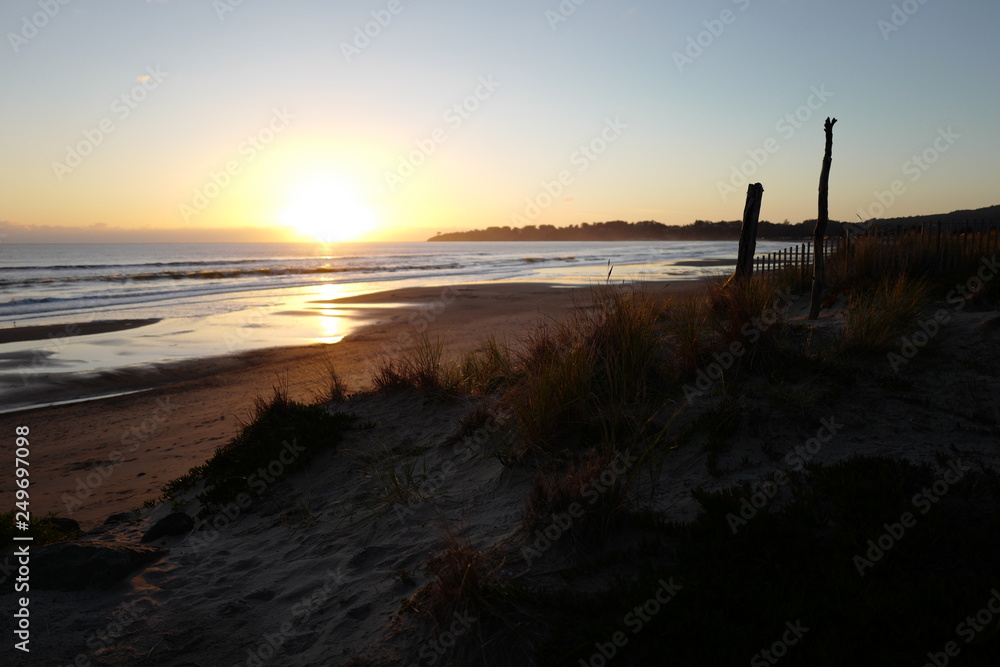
[[41, 282], [200, 294]]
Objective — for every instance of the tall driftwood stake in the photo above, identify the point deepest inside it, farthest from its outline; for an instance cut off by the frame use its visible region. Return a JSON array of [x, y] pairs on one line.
[[748, 233], [819, 262]]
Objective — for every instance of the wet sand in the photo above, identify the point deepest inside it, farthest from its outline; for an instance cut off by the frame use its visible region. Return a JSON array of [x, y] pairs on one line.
[[17, 334]]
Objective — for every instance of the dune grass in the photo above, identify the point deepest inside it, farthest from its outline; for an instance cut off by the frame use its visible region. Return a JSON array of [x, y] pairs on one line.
[[488, 369], [333, 386], [459, 572], [280, 437], [687, 328], [576, 503], [599, 366], [879, 314], [462, 580], [597, 379], [419, 366], [551, 398]]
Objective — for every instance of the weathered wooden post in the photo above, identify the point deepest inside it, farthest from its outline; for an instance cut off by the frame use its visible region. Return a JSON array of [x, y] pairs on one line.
[[819, 263], [748, 233]]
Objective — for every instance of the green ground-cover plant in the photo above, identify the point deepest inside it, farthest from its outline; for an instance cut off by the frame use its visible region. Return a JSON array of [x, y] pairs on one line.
[[42, 530], [280, 437]]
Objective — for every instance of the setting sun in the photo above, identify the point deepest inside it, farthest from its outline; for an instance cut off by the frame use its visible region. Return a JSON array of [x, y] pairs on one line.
[[328, 210]]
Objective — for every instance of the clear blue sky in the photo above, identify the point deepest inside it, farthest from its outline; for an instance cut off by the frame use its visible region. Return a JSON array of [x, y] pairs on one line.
[[263, 113]]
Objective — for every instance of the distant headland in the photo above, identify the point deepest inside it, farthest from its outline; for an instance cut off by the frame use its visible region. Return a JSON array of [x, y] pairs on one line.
[[699, 230]]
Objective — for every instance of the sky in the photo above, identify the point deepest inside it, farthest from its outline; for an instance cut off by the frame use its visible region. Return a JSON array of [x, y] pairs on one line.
[[256, 120]]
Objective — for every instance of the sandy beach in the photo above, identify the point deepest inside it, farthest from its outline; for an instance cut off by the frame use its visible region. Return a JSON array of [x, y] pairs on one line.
[[408, 542], [101, 457]]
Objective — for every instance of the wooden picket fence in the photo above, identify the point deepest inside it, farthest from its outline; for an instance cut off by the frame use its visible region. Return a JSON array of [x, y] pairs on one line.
[[939, 246], [931, 246], [798, 258]]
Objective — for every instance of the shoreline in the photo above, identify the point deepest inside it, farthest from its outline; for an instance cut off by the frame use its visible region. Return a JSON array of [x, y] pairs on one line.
[[35, 332], [25, 389], [98, 457]]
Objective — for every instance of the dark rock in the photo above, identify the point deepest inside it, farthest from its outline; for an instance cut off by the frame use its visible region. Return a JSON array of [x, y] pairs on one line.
[[63, 525], [123, 517], [76, 566], [177, 523]]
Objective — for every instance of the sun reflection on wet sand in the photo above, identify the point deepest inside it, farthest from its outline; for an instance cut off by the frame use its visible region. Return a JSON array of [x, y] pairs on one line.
[[331, 323]]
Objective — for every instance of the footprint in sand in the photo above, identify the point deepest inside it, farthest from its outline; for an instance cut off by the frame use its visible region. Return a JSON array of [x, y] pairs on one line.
[[300, 643], [246, 566], [366, 556], [262, 595], [232, 609], [360, 613]]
